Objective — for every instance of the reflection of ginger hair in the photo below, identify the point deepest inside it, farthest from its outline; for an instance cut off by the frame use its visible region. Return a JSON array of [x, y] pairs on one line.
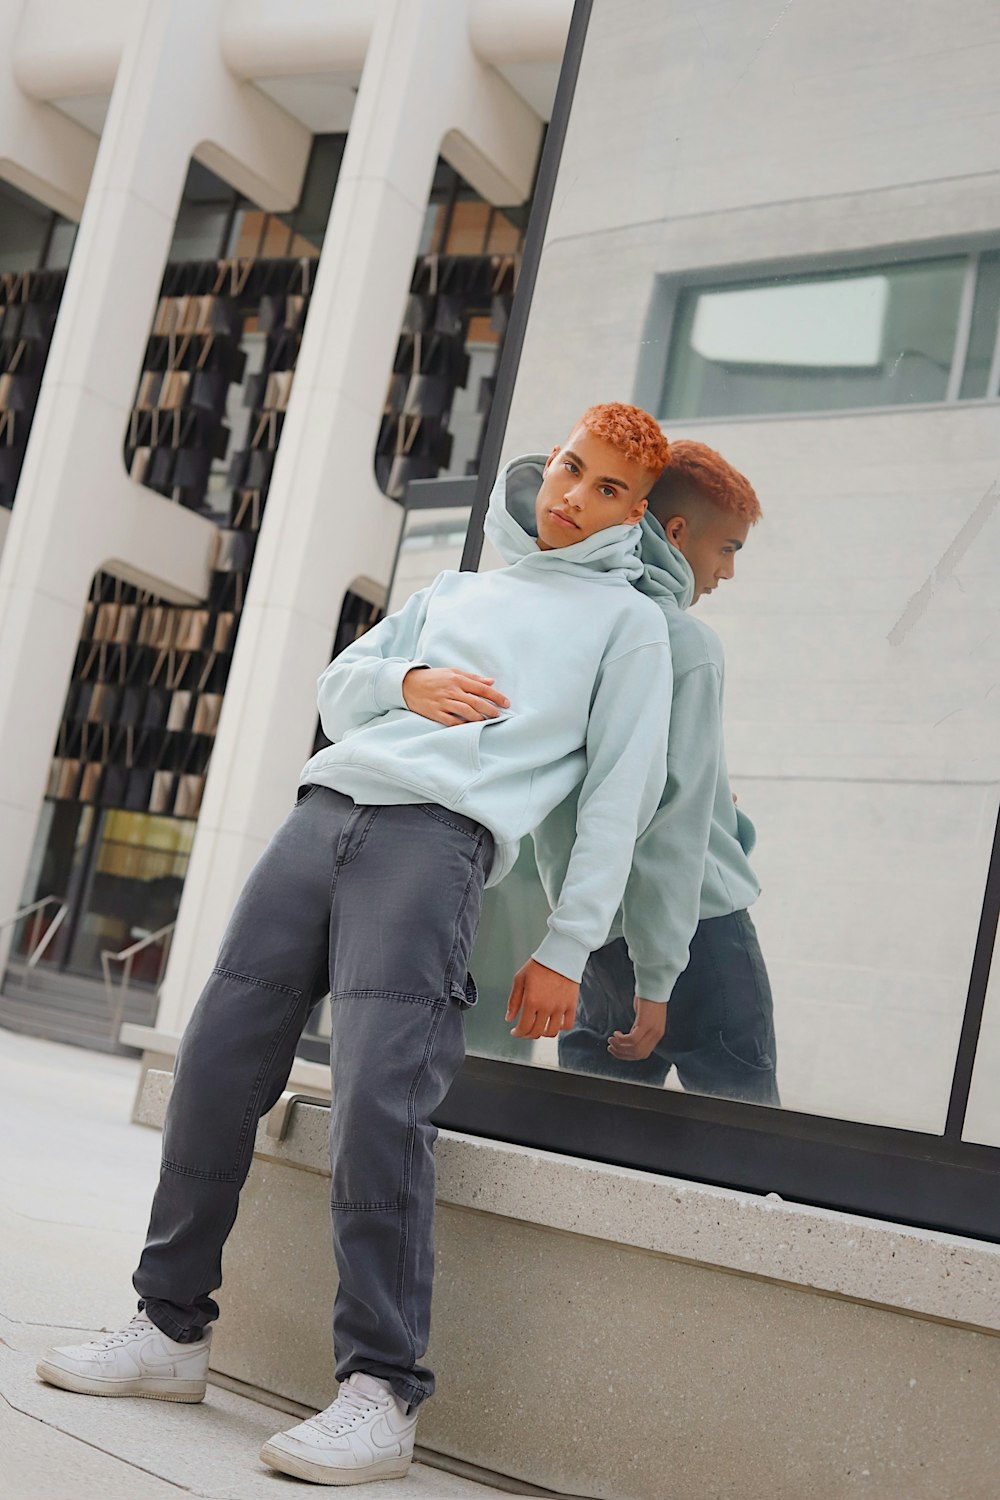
[[632, 431], [695, 472]]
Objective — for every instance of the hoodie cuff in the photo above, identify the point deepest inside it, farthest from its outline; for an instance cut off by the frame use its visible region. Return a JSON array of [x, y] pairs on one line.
[[562, 953], [387, 689], [655, 984]]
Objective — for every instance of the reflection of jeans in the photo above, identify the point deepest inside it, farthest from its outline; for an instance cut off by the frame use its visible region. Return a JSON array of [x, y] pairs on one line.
[[380, 905], [720, 1027]]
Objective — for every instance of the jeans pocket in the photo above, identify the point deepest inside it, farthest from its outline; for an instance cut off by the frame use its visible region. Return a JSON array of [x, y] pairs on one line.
[[761, 1063], [305, 792]]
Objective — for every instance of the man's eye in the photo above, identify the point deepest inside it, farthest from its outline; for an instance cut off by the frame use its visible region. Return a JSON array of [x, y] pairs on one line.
[[570, 466], [608, 492]]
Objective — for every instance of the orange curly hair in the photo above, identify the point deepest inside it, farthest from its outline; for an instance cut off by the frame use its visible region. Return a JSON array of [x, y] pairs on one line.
[[696, 468], [632, 431]]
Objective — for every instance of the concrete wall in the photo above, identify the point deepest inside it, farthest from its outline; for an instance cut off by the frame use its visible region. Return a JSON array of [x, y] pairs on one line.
[[605, 1332], [863, 627]]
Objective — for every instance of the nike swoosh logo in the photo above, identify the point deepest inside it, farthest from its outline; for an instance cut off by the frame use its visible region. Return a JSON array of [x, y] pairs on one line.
[[380, 1430], [157, 1363]]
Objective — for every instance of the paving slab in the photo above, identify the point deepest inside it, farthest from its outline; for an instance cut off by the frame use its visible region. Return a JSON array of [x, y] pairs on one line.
[[76, 1178]]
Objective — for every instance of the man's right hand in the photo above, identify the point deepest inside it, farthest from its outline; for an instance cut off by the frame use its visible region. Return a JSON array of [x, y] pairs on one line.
[[451, 697]]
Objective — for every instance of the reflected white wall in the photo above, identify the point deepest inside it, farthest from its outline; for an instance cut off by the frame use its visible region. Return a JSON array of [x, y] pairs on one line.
[[863, 628]]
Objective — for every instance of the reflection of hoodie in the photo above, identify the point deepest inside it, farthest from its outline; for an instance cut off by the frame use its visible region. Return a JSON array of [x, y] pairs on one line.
[[574, 647], [691, 862]]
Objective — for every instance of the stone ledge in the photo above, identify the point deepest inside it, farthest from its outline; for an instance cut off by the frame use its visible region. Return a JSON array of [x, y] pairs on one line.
[[920, 1272], [159, 1046]]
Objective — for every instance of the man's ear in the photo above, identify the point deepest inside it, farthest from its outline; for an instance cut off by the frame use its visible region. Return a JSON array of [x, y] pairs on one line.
[[676, 529], [637, 512], [549, 461]]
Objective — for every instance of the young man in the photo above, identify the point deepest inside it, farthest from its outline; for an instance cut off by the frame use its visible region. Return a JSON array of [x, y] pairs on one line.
[[458, 724], [684, 919]]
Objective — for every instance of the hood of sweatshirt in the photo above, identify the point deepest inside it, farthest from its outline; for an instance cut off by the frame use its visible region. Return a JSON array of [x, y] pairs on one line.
[[511, 529], [696, 845], [666, 573]]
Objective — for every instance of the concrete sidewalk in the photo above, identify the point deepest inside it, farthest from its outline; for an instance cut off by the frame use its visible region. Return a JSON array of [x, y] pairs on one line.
[[75, 1183]]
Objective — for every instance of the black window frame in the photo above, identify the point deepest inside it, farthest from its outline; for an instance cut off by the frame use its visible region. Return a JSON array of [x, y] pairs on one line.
[[931, 1181]]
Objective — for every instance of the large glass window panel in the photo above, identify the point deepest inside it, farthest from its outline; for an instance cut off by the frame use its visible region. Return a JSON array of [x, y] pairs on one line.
[[134, 890], [60, 844], [862, 627], [25, 226], [878, 337]]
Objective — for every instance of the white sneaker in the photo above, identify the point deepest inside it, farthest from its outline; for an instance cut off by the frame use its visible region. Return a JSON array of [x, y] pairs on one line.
[[138, 1360], [364, 1435]]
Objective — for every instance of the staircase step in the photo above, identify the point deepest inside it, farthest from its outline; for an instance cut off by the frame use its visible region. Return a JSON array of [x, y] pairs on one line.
[[69, 1008]]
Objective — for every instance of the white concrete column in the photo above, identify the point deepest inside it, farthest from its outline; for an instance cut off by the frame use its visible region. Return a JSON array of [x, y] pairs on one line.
[[77, 510], [326, 521]]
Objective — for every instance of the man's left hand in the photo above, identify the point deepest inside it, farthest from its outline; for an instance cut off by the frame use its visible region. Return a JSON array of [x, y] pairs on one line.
[[650, 1024], [544, 1001]]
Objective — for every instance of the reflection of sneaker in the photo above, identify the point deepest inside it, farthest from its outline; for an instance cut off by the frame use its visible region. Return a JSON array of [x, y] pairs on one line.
[[138, 1360], [364, 1435]]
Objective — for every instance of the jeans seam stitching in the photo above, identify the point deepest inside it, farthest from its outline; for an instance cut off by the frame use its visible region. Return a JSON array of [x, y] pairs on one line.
[[411, 1132], [423, 807], [265, 984], [400, 995], [250, 1114], [345, 1205], [199, 1172], [352, 855], [449, 971]]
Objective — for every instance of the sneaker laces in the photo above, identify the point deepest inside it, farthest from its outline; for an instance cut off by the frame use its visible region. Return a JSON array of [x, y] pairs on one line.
[[348, 1409], [137, 1326]]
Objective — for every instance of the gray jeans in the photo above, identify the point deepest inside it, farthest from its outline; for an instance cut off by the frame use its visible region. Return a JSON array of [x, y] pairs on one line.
[[378, 905]]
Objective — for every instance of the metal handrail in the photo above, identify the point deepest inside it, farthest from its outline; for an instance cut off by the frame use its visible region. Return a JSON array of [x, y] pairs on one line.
[[38, 945], [125, 958], [46, 938], [25, 911]]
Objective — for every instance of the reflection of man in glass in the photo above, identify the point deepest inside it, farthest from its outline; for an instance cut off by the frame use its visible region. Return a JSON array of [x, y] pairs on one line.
[[684, 919], [458, 724]]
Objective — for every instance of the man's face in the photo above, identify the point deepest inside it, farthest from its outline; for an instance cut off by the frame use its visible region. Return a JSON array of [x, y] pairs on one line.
[[588, 486], [710, 543]]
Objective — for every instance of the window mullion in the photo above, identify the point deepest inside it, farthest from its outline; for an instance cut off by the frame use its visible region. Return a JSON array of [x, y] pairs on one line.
[[964, 330], [993, 379]]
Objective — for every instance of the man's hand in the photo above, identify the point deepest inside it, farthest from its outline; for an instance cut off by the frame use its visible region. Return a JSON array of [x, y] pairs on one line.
[[545, 1001], [451, 697], [650, 1024]]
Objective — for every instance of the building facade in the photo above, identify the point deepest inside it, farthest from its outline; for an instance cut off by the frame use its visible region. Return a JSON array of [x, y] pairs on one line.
[[257, 289], [152, 748], [236, 274]]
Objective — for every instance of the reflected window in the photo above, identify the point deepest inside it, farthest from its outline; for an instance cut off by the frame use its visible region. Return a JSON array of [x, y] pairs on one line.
[[878, 336]]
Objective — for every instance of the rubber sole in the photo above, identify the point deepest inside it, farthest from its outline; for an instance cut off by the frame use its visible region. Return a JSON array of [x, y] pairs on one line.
[[189, 1391], [302, 1468]]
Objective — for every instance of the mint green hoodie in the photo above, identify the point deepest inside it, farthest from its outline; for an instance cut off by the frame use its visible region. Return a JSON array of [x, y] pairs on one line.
[[691, 861], [574, 647]]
